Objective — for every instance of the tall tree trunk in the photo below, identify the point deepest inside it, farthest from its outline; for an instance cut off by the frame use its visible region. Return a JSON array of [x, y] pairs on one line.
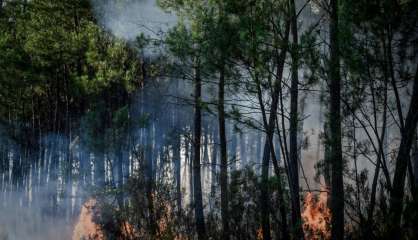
[[233, 147], [53, 177], [177, 169], [293, 130], [337, 185], [380, 157], [6, 169], [258, 154], [69, 179], [16, 168], [197, 184], [415, 162], [402, 159], [214, 162], [2, 167], [177, 154], [205, 158], [327, 159], [149, 179], [189, 161], [224, 155], [99, 168], [85, 167], [242, 150], [269, 147], [119, 170]]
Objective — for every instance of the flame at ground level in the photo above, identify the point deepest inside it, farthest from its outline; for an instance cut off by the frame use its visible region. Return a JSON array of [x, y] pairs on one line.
[[86, 228], [316, 216]]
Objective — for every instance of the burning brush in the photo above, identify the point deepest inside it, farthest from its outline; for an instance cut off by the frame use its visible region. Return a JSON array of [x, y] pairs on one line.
[[316, 216], [87, 229]]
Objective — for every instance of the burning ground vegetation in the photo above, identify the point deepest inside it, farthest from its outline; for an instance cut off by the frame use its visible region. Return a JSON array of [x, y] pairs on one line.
[[316, 216], [86, 227], [92, 223]]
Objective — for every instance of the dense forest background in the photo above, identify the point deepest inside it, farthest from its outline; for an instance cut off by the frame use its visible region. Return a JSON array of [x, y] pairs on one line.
[[208, 119]]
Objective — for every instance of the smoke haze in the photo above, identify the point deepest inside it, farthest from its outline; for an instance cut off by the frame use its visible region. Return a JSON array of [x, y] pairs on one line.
[[128, 19]]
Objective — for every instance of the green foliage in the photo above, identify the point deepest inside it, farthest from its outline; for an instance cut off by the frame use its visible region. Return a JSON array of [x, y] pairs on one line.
[[92, 128], [59, 68]]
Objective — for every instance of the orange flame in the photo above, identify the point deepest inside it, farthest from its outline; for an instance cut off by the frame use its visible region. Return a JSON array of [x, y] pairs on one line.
[[316, 216], [128, 230], [259, 233], [86, 228]]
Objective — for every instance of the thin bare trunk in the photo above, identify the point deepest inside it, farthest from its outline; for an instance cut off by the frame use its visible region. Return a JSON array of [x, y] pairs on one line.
[[197, 185], [337, 184], [224, 157], [293, 131], [402, 159]]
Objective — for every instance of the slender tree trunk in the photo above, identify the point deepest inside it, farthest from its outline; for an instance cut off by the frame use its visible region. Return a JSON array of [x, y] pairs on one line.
[[85, 165], [337, 185], [243, 150], [177, 169], [269, 147], [69, 179], [293, 131], [177, 155], [5, 169], [2, 167], [402, 159], [99, 168], [149, 180], [53, 177], [415, 162], [189, 160], [380, 158], [327, 167], [250, 149], [119, 170], [205, 157], [214, 162], [224, 156], [233, 147], [197, 184], [258, 155]]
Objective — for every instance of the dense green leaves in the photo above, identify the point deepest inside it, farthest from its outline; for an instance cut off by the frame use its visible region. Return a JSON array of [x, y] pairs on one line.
[[54, 54]]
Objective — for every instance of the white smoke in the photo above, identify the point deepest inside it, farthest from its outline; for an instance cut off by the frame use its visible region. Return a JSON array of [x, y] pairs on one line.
[[128, 19]]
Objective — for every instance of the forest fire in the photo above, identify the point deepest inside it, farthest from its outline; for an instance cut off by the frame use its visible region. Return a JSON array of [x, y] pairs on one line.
[[207, 119], [86, 228], [316, 216]]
